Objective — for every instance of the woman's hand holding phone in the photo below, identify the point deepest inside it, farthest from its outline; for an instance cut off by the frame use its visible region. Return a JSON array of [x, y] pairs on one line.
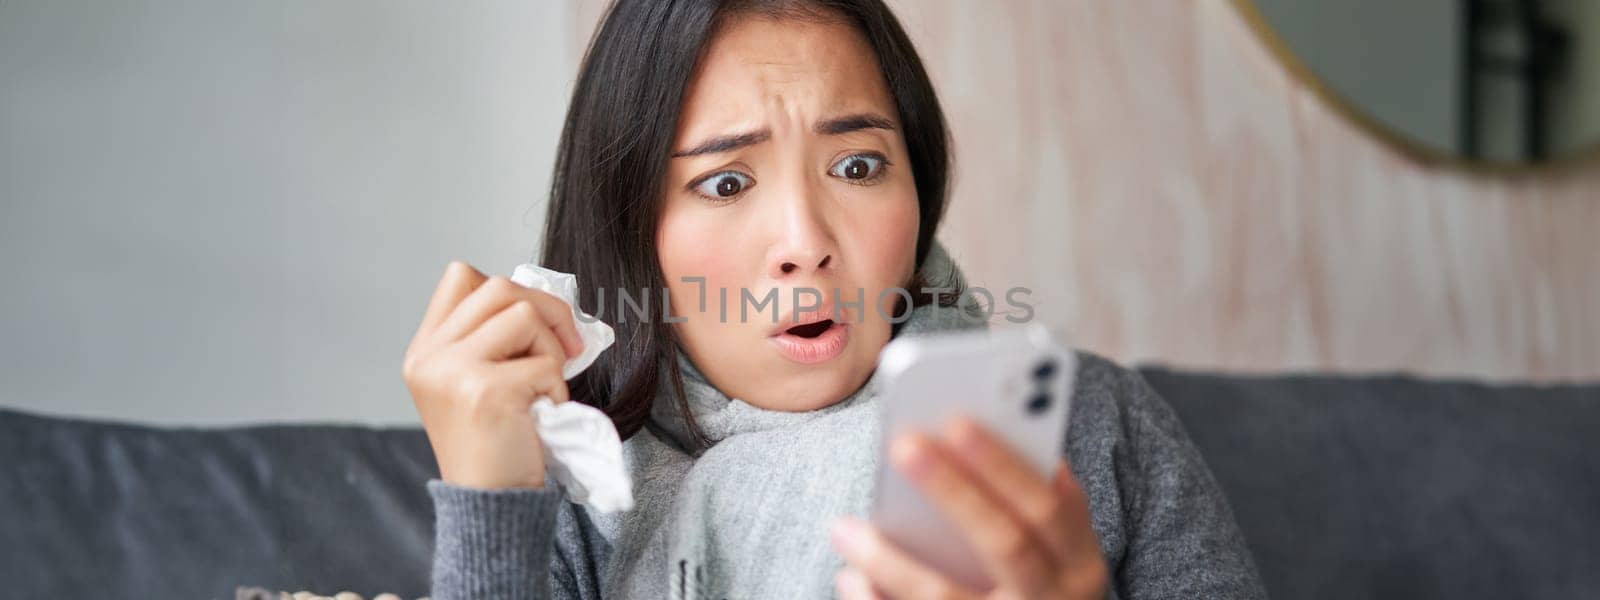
[[1033, 536], [486, 349]]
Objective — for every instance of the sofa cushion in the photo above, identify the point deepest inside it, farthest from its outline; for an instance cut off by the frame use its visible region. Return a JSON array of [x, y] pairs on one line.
[[1365, 487], [96, 510], [1395, 487]]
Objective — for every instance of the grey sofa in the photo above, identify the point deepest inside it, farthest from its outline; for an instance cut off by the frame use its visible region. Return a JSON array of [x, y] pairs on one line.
[[1345, 487]]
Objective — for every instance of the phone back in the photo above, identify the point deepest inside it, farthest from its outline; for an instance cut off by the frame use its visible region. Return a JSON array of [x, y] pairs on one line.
[[1015, 382]]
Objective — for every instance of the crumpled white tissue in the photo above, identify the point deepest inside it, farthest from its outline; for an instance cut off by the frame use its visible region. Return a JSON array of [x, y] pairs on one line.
[[581, 448]]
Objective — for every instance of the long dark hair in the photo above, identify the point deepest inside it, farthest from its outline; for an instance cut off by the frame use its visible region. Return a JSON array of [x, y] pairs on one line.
[[612, 159]]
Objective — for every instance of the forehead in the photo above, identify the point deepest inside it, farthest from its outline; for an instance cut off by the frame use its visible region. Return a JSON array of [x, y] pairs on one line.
[[802, 67]]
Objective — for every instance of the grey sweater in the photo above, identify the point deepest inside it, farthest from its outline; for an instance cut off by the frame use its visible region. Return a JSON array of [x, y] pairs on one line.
[[1163, 525], [748, 516]]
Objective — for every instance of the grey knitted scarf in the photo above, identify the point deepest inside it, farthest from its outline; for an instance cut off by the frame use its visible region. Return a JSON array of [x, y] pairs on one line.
[[748, 517]]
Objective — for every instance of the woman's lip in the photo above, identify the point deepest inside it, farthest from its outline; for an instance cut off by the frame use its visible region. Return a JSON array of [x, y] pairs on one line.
[[808, 351]]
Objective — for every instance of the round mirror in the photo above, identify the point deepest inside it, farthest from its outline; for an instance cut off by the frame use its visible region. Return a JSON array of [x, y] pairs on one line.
[[1498, 81]]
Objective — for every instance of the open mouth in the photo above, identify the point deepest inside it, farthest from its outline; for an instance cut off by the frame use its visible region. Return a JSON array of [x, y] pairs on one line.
[[813, 343], [810, 330]]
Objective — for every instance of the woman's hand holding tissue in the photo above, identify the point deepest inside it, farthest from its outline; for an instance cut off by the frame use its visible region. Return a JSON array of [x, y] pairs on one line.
[[487, 348]]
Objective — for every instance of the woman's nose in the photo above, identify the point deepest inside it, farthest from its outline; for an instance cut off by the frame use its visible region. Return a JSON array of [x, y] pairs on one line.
[[787, 267], [805, 242]]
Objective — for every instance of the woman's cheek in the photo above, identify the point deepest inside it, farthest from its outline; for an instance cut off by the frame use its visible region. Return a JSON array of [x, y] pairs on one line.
[[891, 245], [695, 266]]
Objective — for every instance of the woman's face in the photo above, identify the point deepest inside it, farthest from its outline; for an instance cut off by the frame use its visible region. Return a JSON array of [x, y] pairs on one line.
[[789, 173]]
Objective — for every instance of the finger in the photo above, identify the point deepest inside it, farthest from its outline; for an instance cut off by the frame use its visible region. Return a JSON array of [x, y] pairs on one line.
[[558, 315], [1085, 574], [1083, 544], [515, 331], [888, 569], [850, 584], [497, 293], [458, 281], [526, 379], [1030, 496], [1006, 546]]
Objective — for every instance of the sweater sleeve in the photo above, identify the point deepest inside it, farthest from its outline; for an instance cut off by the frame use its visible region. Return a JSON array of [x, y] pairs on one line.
[[508, 544], [1166, 524]]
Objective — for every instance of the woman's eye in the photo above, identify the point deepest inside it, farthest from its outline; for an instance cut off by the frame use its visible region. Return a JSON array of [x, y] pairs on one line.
[[858, 167], [724, 185]]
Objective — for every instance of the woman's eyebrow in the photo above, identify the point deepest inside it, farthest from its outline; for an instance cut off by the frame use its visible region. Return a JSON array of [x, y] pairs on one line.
[[834, 126], [724, 143], [856, 122]]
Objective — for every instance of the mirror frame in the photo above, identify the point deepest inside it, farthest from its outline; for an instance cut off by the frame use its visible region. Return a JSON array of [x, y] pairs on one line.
[[1395, 140]]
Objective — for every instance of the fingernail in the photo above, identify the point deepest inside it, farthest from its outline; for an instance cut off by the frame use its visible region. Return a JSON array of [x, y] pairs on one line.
[[910, 455], [848, 535], [575, 340], [964, 432], [850, 583], [1064, 480]]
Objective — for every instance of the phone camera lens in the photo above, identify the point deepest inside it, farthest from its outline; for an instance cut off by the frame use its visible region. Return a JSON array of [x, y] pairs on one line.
[[1039, 403], [1045, 370]]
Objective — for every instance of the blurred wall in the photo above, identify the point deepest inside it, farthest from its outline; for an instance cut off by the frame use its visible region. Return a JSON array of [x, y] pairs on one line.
[[1182, 199], [232, 211]]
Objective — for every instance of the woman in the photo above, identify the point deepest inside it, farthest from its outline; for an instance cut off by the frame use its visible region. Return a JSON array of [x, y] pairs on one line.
[[752, 146]]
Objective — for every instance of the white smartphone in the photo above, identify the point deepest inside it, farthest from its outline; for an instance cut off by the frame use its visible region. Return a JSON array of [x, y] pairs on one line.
[[1017, 383]]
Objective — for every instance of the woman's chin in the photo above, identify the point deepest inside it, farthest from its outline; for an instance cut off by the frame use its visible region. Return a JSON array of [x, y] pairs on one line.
[[812, 387]]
